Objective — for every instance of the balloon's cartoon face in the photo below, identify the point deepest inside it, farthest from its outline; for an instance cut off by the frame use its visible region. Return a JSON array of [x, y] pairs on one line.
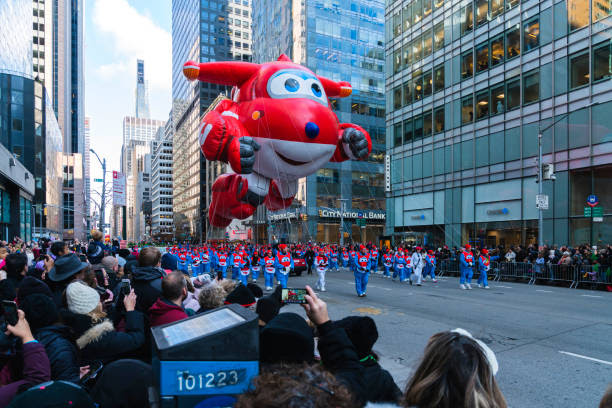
[[296, 83]]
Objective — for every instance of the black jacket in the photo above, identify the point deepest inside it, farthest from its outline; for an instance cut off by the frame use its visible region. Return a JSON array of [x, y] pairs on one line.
[[62, 352], [340, 358], [99, 341], [146, 281], [379, 383]]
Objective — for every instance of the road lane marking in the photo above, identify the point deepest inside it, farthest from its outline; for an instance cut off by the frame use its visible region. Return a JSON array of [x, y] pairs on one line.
[[586, 357], [591, 296], [500, 286], [545, 291], [368, 310]]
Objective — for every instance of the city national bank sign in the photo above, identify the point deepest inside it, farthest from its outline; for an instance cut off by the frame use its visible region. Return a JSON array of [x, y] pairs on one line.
[[352, 214]]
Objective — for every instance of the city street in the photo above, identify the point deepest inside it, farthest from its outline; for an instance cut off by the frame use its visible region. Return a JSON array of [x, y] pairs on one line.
[[553, 344]]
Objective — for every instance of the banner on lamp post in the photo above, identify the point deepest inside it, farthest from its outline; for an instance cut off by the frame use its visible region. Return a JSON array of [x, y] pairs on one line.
[[118, 188]]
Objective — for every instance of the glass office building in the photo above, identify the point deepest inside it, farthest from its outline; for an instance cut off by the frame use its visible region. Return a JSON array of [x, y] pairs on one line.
[[204, 31], [469, 86], [342, 40]]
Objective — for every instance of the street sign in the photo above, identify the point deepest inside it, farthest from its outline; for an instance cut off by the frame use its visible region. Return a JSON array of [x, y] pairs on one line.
[[361, 222], [592, 200], [542, 201], [587, 211], [98, 180], [597, 219], [598, 212]]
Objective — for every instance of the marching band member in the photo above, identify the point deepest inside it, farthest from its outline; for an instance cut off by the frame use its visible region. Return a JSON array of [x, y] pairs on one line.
[[284, 264], [466, 262], [269, 269], [387, 262], [321, 263], [430, 265], [256, 264], [362, 271], [399, 264]]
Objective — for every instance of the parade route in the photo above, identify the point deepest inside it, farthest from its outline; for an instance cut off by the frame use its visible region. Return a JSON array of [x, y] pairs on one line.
[[553, 344]]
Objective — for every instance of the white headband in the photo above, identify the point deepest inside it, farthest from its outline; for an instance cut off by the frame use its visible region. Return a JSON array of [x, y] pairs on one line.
[[489, 354]]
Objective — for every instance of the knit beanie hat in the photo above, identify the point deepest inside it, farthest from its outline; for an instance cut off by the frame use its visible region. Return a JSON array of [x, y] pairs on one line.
[[30, 285], [286, 338], [267, 308], [255, 290], [81, 298], [169, 261], [40, 310], [241, 295], [362, 332]]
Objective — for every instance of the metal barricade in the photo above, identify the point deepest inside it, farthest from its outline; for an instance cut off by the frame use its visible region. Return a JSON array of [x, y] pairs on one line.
[[592, 275], [448, 267], [515, 271], [557, 273]]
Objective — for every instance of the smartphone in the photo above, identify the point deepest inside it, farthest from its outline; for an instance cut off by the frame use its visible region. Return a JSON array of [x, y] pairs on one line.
[[10, 312], [293, 295], [126, 288], [94, 370]]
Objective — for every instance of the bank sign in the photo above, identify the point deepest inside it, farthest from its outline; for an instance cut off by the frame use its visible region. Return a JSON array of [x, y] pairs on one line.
[[352, 214]]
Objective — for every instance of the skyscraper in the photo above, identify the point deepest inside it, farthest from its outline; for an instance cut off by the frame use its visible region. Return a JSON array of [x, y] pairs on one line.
[[343, 41], [470, 85], [86, 166], [142, 92], [201, 31]]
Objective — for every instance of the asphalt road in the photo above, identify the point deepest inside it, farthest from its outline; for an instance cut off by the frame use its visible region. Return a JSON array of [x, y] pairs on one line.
[[554, 345]]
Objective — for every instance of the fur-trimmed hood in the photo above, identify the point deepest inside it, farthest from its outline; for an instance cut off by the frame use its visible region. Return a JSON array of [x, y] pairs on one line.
[[95, 333]]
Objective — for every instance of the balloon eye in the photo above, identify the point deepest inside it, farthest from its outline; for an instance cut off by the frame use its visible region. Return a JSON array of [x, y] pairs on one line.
[[291, 85], [316, 89]]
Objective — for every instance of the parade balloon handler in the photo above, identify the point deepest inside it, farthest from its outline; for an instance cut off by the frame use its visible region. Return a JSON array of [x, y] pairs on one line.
[[278, 127], [362, 271]]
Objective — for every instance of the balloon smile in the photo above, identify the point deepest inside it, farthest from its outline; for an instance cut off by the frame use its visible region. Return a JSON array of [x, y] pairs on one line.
[[288, 160]]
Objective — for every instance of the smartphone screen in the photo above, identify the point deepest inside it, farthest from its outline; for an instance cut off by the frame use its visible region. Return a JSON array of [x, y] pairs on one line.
[[10, 312], [125, 287], [293, 295]]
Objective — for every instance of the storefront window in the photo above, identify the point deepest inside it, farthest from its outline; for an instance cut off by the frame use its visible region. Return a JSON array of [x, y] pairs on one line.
[[407, 131], [427, 84], [531, 87], [531, 34], [482, 9], [439, 119], [397, 135], [417, 81], [427, 43], [482, 57], [497, 7], [513, 42], [497, 50], [602, 61], [427, 124], [482, 105], [438, 80], [601, 9], [513, 90], [579, 70], [577, 15], [467, 109], [467, 65], [439, 36]]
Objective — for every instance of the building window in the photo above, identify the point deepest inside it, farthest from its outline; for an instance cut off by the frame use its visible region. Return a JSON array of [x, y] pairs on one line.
[[602, 60], [511, 3], [407, 14], [439, 36], [397, 61], [426, 8], [427, 43], [531, 34], [482, 57], [497, 100], [482, 105], [601, 9], [407, 131], [467, 19], [417, 11], [438, 3], [417, 49], [467, 65], [406, 55], [427, 124], [497, 7], [497, 50], [397, 97], [482, 9], [531, 87], [397, 135], [513, 42], [427, 84], [467, 109], [407, 93], [417, 81], [513, 90], [579, 70], [439, 119], [577, 13], [438, 78], [418, 128]]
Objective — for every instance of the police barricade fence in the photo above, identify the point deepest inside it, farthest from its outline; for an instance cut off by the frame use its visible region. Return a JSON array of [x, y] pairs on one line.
[[448, 267], [592, 275], [513, 270], [556, 273]]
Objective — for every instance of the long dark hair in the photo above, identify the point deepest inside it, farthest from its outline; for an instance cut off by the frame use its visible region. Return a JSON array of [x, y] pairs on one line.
[[454, 373]]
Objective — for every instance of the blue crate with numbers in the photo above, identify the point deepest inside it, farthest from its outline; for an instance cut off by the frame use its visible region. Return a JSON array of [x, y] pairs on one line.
[[207, 359]]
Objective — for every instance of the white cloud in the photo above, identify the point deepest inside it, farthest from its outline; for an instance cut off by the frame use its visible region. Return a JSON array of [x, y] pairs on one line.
[[133, 36]]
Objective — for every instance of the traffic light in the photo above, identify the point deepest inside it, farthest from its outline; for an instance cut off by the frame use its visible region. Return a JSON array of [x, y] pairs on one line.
[[548, 171]]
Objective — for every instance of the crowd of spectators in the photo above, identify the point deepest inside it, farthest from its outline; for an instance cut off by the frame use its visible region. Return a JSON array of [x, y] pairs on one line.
[[82, 337]]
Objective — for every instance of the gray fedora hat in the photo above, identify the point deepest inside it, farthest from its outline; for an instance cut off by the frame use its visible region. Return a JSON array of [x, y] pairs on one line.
[[66, 266]]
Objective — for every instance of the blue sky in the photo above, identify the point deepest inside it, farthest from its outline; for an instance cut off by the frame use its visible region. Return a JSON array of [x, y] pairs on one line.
[[117, 32]]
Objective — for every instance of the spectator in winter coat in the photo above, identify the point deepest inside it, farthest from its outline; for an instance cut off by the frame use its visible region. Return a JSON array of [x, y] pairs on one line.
[[96, 336], [211, 296], [35, 362], [147, 278], [16, 268], [379, 383], [54, 336], [66, 269], [169, 307]]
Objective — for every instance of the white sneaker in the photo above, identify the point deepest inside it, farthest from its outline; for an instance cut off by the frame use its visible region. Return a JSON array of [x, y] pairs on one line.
[[435, 281], [462, 286], [254, 280], [479, 285], [467, 285], [486, 287], [268, 288], [323, 290]]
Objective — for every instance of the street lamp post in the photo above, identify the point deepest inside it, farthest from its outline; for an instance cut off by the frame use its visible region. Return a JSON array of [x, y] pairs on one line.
[[342, 200], [102, 200]]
